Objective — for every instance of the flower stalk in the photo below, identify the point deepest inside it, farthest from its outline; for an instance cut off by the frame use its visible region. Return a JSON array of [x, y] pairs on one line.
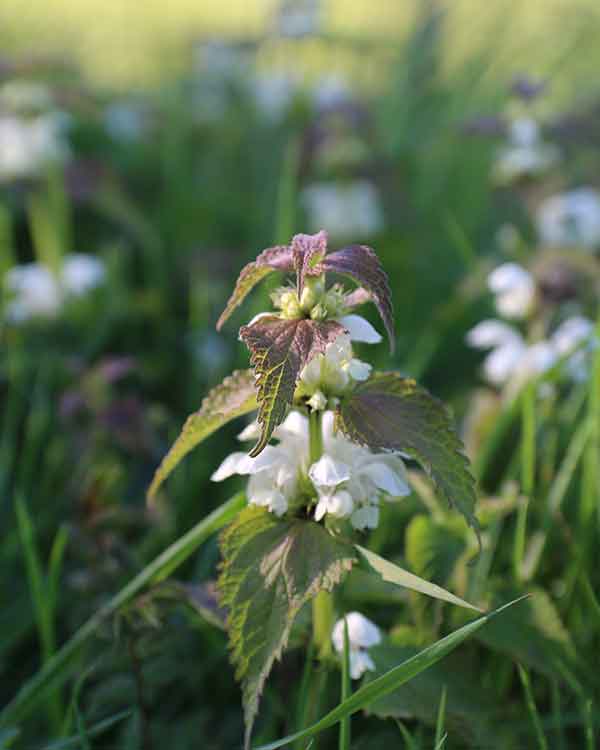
[[322, 606]]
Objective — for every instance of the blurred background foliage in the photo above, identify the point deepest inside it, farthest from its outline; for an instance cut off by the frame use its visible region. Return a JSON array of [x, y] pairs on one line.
[[187, 137]]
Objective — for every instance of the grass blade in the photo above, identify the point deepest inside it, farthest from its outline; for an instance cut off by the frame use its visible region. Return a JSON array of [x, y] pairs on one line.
[[532, 708], [392, 679], [440, 736], [344, 743], [101, 726], [394, 574], [57, 670]]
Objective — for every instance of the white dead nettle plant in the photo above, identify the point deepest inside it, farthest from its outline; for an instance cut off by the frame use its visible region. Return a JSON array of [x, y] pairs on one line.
[[331, 436]]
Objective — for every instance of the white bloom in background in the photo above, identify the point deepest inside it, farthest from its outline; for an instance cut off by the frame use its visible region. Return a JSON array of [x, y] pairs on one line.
[[336, 369], [349, 480], [34, 290], [575, 337], [511, 361], [362, 635], [125, 121], [28, 145], [331, 91], [346, 210], [296, 18], [525, 155], [570, 219], [514, 290], [274, 93]]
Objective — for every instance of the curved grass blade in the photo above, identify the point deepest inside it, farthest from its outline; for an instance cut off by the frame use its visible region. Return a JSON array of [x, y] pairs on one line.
[[60, 666], [394, 574], [101, 726], [392, 679]]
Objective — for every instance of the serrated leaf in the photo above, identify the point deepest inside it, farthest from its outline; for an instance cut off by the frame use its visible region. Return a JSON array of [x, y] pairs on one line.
[[395, 574], [278, 258], [308, 250], [279, 351], [271, 568], [235, 396], [389, 412], [361, 264]]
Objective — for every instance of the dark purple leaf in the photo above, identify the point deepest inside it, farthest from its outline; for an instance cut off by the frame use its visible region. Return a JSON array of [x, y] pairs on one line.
[[308, 250]]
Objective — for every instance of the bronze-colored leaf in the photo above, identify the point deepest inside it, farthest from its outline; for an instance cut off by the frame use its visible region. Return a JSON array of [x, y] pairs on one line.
[[308, 250], [279, 351]]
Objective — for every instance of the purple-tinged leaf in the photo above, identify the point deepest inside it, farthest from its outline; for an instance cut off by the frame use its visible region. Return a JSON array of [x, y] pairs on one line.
[[235, 396], [308, 250], [279, 351], [389, 412], [278, 258], [271, 568], [362, 265]]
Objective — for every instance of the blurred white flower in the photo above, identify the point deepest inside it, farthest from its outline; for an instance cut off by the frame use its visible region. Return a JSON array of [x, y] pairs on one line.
[[125, 121], [570, 219], [34, 290], [349, 480], [362, 635], [29, 145], [575, 337], [525, 155], [512, 361], [514, 289], [331, 91], [274, 92], [296, 18], [346, 210]]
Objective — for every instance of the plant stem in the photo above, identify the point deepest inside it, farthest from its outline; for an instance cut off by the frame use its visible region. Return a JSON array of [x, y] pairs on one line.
[[322, 605]]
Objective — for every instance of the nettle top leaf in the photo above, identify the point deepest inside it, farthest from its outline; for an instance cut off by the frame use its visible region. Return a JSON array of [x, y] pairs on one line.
[[282, 344]]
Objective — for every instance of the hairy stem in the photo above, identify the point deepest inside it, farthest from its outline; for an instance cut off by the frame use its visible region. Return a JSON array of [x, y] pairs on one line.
[[322, 605]]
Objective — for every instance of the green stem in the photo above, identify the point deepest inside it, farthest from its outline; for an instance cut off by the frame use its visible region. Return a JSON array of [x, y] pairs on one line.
[[322, 605], [528, 459]]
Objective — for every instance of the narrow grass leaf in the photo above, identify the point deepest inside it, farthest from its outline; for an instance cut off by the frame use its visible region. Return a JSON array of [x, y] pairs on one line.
[[532, 708], [392, 679], [441, 717], [94, 731], [394, 574]]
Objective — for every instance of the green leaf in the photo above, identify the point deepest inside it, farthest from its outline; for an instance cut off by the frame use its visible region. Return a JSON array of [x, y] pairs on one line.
[[278, 258], [61, 665], [235, 396], [394, 574], [392, 679], [279, 351], [389, 412], [361, 264], [271, 568], [434, 547], [533, 635]]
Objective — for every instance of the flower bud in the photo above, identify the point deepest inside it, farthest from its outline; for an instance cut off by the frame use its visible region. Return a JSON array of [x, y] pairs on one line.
[[314, 289]]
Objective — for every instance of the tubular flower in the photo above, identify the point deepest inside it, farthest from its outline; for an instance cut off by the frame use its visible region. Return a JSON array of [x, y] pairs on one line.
[[514, 290], [348, 481], [362, 635]]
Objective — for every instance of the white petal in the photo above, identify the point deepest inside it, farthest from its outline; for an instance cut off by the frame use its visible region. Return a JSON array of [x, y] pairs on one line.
[[81, 272], [340, 504], [321, 508], [492, 333], [327, 472], [229, 467], [362, 632], [294, 425], [502, 363], [571, 333], [359, 370], [385, 479], [250, 432], [258, 317], [360, 662], [360, 329], [507, 277]]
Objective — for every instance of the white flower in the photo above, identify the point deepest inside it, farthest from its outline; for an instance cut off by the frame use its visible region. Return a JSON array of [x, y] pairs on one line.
[[569, 339], [526, 155], [511, 361], [359, 329], [34, 290], [349, 480], [330, 91], [125, 121], [332, 372], [28, 145], [362, 635], [514, 290], [346, 211], [274, 93], [297, 18], [570, 219]]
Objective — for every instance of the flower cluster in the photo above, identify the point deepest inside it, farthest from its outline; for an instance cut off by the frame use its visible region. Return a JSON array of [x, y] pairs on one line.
[[513, 360], [570, 219], [347, 482], [362, 635], [526, 154], [34, 290]]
